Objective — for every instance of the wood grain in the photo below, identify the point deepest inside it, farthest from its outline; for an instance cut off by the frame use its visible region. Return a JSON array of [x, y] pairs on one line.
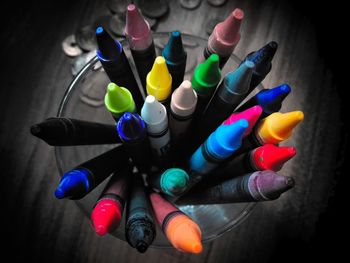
[[36, 74]]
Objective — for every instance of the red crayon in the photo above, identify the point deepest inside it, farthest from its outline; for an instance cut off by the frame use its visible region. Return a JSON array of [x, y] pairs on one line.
[[108, 210], [182, 232], [225, 37]]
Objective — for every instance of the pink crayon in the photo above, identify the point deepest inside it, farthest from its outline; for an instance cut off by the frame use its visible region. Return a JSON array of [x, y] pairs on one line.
[[225, 37], [251, 115]]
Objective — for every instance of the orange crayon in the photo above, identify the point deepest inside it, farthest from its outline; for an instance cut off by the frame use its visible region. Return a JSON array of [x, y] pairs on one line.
[[182, 232]]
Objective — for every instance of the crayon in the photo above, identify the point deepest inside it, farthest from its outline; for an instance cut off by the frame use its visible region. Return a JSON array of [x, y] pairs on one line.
[[113, 59], [182, 106], [269, 99], [140, 229], [118, 100], [253, 187], [175, 57], [230, 93], [273, 129], [108, 210], [85, 177], [266, 157], [139, 37], [158, 81], [222, 143], [252, 115], [155, 116], [172, 181], [181, 231], [204, 81], [133, 133], [72, 132], [262, 59], [225, 37]]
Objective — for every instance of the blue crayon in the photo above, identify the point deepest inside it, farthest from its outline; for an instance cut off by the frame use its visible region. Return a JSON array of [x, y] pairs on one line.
[[175, 57], [133, 133], [82, 179], [269, 99], [113, 59]]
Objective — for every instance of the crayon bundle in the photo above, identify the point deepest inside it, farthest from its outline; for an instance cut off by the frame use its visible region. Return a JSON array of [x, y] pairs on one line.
[[187, 142]]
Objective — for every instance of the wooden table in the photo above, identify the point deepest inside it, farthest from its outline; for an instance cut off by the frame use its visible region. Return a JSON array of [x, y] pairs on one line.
[[34, 78]]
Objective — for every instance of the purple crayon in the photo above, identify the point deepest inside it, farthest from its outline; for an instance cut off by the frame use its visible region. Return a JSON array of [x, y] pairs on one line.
[[258, 186]]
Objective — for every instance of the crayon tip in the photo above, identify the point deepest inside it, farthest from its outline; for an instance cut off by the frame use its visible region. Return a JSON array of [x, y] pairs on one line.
[[108, 48], [174, 181], [74, 184], [272, 157], [271, 185], [131, 127], [35, 130], [206, 75], [183, 99], [118, 100], [158, 81], [251, 115], [174, 52], [271, 99], [278, 127], [141, 247], [227, 138], [137, 29], [237, 81], [263, 57], [153, 112], [184, 234], [140, 233], [106, 216], [229, 28]]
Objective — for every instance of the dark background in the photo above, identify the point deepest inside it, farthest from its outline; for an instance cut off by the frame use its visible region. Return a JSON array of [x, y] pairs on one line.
[[30, 37]]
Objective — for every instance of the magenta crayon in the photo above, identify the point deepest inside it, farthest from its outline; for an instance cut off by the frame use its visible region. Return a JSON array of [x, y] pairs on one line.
[[254, 187], [108, 210], [138, 34], [225, 37]]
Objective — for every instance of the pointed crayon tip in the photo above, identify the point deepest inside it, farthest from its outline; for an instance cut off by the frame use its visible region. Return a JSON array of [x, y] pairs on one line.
[[206, 75], [174, 51], [59, 193], [153, 112], [159, 80], [141, 247], [137, 29], [108, 48], [263, 57], [271, 99], [229, 28], [278, 127], [36, 130], [272, 157], [251, 115], [118, 100], [183, 99], [238, 81]]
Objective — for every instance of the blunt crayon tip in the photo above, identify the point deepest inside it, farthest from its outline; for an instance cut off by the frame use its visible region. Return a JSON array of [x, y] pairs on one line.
[[174, 181], [278, 127], [159, 80], [174, 52], [131, 127], [271, 99], [108, 48], [268, 185], [118, 100], [106, 216], [184, 234], [141, 247], [183, 99], [99, 30], [137, 29], [251, 115], [272, 157], [74, 184], [226, 36], [35, 130], [285, 88], [263, 57], [206, 75]]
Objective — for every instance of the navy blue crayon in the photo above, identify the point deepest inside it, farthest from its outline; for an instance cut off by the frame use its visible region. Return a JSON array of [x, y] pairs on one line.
[[175, 57], [262, 59], [82, 179], [112, 57], [140, 229], [270, 100], [230, 93], [133, 133]]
